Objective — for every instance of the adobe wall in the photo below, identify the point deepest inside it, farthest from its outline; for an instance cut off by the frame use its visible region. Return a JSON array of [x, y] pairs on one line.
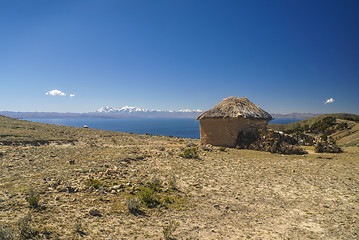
[[224, 131]]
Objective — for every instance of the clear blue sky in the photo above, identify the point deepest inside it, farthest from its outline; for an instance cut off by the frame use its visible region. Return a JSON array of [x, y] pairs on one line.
[[285, 56]]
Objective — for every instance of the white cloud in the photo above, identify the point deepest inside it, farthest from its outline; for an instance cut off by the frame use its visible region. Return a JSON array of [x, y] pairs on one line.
[[330, 100], [55, 92], [72, 95]]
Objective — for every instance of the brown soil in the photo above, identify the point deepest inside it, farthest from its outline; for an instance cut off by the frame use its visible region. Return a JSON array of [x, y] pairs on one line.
[[231, 194]]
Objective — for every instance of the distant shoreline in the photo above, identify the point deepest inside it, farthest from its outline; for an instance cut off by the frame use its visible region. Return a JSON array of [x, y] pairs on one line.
[[164, 114]]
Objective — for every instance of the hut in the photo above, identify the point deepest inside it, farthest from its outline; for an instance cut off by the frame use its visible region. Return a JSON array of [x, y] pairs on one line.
[[231, 122]]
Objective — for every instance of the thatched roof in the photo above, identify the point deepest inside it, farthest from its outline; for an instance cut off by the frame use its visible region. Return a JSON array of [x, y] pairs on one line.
[[233, 107]]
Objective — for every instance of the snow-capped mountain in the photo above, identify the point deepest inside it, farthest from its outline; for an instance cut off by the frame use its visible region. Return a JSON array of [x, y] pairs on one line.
[[189, 110], [128, 109], [125, 109]]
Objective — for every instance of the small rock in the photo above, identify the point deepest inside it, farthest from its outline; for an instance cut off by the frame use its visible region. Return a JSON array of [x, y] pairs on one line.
[[113, 191], [57, 198], [94, 212], [116, 187], [70, 189], [61, 188], [216, 206], [213, 230]]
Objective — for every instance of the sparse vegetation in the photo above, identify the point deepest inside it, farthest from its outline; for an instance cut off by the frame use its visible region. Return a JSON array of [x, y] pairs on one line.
[[172, 183], [274, 142], [169, 229], [327, 146], [189, 153], [207, 147], [79, 228], [148, 197], [244, 184], [155, 184], [26, 228], [95, 183], [7, 233], [33, 199], [222, 149], [132, 204]]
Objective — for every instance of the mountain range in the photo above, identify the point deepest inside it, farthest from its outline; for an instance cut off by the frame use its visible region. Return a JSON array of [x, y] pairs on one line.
[[128, 109], [135, 112]]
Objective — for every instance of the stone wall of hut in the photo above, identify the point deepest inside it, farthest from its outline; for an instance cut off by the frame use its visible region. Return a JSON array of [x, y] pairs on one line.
[[225, 131]]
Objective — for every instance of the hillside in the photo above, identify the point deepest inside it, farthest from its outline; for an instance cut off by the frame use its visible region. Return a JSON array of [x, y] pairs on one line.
[[345, 137], [61, 182]]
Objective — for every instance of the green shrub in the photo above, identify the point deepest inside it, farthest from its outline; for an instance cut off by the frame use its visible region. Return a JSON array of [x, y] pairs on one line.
[[33, 199], [322, 125], [148, 197], [222, 149], [342, 126], [93, 183], [189, 153]]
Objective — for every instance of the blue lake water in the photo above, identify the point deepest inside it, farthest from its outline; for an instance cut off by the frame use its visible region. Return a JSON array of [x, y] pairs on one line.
[[178, 127]]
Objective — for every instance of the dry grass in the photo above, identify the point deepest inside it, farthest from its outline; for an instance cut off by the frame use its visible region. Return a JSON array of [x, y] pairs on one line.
[[231, 194]]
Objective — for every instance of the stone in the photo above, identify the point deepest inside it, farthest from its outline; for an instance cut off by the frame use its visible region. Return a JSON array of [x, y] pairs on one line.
[[61, 188], [94, 212], [116, 187]]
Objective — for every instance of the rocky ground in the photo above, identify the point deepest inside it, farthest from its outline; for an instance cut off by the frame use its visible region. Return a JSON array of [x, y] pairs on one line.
[[83, 185]]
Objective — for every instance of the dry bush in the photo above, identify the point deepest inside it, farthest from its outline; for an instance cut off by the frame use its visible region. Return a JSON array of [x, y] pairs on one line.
[[7, 233], [327, 147], [169, 229], [270, 141], [132, 204], [26, 228]]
